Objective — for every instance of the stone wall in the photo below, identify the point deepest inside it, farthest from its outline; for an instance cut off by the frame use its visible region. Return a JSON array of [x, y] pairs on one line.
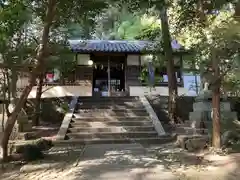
[[184, 105], [235, 105]]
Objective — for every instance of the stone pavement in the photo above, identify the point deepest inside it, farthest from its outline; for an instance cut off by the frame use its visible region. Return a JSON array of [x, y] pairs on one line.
[[125, 162], [120, 161]]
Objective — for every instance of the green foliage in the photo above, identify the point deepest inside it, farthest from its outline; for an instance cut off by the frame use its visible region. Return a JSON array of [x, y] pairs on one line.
[[144, 77], [207, 28], [149, 33], [13, 16], [158, 63], [118, 22]]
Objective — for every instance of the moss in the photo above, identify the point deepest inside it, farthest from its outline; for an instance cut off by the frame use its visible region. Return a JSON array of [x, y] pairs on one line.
[[33, 150]]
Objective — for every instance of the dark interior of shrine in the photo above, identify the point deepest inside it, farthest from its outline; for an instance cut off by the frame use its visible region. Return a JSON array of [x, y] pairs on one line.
[[101, 77]]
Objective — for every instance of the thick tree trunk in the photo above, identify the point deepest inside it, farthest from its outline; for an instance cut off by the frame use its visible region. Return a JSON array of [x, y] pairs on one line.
[[172, 82], [38, 100], [201, 13], [41, 55], [216, 136], [237, 11]]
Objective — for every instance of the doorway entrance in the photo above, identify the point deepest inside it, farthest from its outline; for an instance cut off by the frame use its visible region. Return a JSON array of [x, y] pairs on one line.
[[105, 82]]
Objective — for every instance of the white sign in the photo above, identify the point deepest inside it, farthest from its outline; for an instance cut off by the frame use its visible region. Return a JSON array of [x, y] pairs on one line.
[[83, 59]]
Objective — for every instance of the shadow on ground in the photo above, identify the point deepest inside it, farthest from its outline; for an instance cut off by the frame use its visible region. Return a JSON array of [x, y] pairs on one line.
[[167, 164], [56, 160], [128, 162]]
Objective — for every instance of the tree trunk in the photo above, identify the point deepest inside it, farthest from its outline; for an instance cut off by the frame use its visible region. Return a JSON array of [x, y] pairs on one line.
[[62, 79], [3, 116], [41, 55], [196, 83], [38, 100], [237, 11], [195, 77], [201, 13], [13, 88], [216, 136], [8, 94], [4, 99], [168, 51]]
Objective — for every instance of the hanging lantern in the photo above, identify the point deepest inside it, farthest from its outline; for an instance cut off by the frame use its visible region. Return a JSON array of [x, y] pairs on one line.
[[90, 62]]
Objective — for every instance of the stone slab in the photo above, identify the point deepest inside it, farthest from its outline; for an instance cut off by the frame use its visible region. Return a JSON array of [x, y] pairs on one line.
[[64, 127], [66, 121], [153, 116], [198, 115], [207, 106]]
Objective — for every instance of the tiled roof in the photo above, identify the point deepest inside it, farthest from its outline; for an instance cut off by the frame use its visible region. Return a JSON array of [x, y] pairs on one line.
[[115, 46]]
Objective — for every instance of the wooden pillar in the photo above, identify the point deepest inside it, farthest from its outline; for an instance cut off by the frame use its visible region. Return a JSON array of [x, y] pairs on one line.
[[109, 77], [125, 74], [181, 71], [75, 73]]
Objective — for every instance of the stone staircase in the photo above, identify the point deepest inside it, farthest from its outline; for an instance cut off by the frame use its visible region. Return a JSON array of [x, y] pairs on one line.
[[113, 120]]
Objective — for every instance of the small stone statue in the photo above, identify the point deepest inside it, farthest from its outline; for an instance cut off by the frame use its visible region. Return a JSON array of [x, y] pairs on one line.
[[206, 86], [73, 102], [205, 92]]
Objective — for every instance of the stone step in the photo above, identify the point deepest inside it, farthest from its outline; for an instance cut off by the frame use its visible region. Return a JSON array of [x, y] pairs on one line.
[[121, 103], [96, 110], [78, 124], [63, 145], [154, 140], [112, 129], [107, 135], [110, 106], [107, 99], [107, 119], [112, 114]]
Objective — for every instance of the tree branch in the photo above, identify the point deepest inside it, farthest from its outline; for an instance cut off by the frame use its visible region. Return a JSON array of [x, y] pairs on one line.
[[35, 39]]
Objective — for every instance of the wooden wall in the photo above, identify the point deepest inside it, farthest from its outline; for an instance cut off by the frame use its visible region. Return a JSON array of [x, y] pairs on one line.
[[84, 76], [132, 76]]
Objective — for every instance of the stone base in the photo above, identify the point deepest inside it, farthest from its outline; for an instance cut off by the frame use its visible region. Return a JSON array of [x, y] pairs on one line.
[[24, 127], [197, 124], [204, 95], [206, 115], [207, 106]]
